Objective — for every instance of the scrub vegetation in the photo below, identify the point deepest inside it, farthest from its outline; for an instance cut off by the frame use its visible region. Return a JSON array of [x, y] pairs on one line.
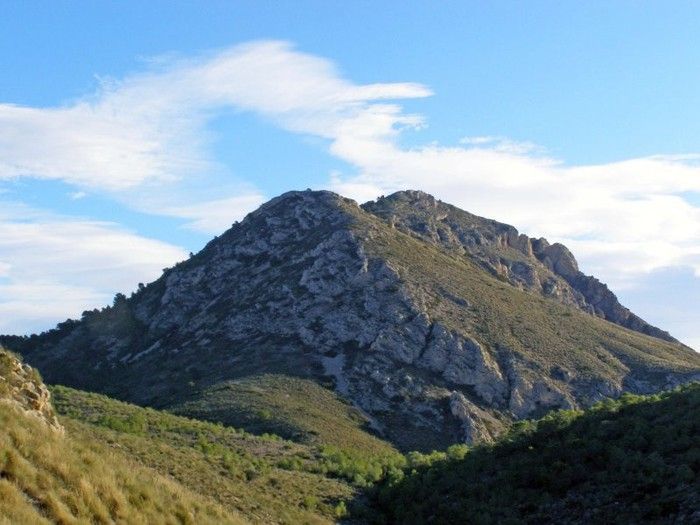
[[632, 460]]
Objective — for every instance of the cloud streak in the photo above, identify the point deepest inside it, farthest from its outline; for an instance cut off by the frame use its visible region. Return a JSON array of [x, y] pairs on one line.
[[151, 127], [53, 267]]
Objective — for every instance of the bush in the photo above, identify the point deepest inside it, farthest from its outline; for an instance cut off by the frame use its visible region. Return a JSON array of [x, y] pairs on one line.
[[310, 502]]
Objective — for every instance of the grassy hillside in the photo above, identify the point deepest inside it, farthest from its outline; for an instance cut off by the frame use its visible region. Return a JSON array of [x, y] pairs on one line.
[[634, 460], [264, 478], [292, 407], [46, 477]]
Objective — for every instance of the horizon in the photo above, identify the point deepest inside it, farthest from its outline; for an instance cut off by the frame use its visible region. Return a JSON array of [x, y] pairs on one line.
[[130, 135]]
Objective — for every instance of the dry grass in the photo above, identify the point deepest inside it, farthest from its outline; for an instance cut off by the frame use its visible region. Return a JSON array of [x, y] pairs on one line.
[[46, 477]]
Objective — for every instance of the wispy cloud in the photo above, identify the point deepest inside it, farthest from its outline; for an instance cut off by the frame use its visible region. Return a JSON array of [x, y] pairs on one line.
[[216, 215], [144, 138], [151, 126], [503, 144], [52, 267]]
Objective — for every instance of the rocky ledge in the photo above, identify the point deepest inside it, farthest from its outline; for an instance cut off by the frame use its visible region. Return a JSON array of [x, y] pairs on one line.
[[21, 387]]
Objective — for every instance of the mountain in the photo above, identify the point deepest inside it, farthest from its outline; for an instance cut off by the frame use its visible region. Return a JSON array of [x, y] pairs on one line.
[[635, 460], [405, 318]]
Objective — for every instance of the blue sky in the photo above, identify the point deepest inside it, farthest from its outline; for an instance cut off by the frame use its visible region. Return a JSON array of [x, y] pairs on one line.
[[130, 133]]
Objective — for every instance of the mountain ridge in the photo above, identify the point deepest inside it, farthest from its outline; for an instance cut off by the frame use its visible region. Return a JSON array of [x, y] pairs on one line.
[[456, 229], [429, 345]]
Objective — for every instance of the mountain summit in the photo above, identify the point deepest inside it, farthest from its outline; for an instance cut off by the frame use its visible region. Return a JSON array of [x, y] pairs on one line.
[[434, 324]]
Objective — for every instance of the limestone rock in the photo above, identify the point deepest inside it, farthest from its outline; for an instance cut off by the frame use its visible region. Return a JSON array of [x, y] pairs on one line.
[[21, 387], [477, 424], [463, 361]]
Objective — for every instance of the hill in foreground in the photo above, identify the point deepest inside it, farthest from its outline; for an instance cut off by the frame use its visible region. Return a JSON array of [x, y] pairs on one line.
[[406, 317], [634, 460], [93, 459]]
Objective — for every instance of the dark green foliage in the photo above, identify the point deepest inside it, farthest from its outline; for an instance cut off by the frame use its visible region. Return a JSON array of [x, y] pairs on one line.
[[633, 460]]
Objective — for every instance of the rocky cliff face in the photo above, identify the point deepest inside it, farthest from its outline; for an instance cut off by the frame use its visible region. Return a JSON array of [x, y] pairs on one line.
[[425, 322], [22, 388], [524, 262]]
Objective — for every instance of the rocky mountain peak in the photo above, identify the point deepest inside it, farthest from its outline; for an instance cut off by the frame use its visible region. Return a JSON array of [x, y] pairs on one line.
[[412, 197], [308, 199]]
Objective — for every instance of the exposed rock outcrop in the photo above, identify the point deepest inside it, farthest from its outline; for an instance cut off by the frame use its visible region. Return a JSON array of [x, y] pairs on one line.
[[477, 424], [463, 361], [21, 387]]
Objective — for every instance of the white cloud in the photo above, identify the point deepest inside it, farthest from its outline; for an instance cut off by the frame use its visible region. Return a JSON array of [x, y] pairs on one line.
[[89, 145], [213, 217], [144, 138], [36, 306], [503, 144], [55, 267], [670, 297], [150, 127]]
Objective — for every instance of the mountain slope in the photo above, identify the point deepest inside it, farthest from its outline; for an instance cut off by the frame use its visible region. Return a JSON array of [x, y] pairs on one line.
[[48, 476], [260, 477], [636, 460], [427, 344], [292, 407], [524, 262]]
